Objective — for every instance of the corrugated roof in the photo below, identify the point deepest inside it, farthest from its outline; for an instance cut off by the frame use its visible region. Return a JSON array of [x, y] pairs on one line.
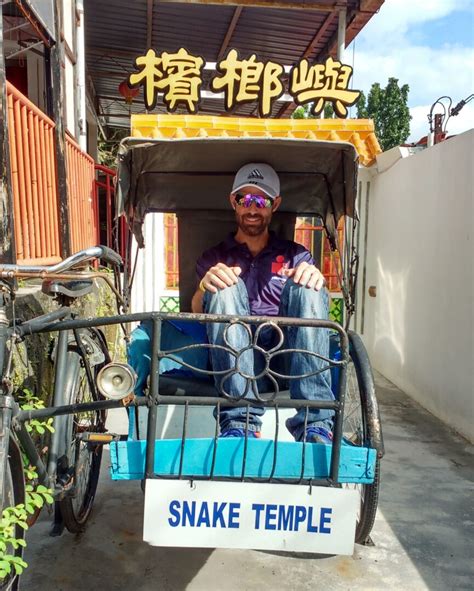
[[117, 32]]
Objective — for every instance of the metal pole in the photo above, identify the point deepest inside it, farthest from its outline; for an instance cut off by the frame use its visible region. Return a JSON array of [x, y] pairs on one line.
[[153, 394], [81, 76], [341, 34], [60, 378], [7, 234]]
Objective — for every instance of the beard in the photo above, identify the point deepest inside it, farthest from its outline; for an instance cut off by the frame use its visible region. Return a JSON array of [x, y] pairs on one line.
[[256, 227]]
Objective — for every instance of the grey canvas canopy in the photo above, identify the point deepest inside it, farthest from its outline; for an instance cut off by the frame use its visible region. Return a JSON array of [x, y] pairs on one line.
[[318, 178]]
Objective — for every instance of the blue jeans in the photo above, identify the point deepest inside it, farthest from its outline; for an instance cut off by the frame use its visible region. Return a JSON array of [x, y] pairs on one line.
[[296, 302], [174, 334]]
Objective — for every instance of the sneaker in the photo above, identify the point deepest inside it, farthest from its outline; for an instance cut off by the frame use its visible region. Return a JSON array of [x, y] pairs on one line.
[[315, 433], [236, 432], [318, 435]]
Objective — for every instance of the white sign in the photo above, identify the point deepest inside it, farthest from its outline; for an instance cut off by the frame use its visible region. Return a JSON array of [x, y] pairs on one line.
[[206, 514]]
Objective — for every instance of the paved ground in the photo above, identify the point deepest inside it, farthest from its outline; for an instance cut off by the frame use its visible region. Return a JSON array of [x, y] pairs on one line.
[[423, 534]]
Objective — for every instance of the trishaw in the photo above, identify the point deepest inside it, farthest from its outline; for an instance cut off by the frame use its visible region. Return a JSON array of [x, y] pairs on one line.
[[200, 489]]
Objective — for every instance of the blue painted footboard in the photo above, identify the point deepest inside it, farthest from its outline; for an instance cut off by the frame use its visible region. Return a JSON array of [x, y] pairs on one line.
[[357, 464]]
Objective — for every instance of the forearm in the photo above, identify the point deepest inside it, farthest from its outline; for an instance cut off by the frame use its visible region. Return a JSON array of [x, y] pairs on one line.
[[196, 302]]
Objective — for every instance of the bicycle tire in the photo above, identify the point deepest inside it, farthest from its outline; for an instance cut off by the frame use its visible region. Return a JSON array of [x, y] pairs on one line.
[[76, 509], [14, 494], [359, 427]]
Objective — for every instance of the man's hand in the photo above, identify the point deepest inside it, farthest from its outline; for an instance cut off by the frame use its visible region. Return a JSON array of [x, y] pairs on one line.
[[306, 275], [219, 277]]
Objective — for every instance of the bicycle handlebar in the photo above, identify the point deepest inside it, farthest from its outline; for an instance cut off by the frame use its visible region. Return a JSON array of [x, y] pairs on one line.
[[94, 252], [110, 256]]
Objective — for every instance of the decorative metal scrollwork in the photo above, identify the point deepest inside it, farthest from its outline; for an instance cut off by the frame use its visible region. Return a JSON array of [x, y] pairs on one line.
[[253, 353]]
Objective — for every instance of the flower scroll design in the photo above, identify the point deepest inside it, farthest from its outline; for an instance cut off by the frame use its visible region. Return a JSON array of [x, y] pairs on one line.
[[254, 361]]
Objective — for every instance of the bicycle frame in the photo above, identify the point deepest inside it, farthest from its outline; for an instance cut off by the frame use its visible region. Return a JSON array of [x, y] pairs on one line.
[[9, 410], [12, 418]]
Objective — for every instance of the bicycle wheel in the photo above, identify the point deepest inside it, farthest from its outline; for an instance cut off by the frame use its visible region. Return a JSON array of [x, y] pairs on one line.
[[76, 507], [361, 423], [14, 494]]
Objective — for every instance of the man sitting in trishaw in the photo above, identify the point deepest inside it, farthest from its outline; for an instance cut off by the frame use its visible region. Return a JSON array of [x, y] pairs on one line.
[[254, 272]]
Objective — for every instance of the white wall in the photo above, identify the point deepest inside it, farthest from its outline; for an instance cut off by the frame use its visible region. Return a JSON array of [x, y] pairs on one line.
[[149, 281], [420, 253], [69, 26]]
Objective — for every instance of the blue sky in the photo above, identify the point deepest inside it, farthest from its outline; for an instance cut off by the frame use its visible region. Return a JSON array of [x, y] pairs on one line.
[[428, 44], [456, 28]]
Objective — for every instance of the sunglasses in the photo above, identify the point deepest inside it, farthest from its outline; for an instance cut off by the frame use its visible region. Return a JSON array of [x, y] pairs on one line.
[[247, 200]]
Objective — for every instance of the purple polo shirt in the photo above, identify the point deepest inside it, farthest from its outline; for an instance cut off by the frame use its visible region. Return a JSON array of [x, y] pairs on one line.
[[262, 274]]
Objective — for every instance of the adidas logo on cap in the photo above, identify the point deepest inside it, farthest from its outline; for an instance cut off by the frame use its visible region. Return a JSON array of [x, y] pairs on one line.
[[255, 174]]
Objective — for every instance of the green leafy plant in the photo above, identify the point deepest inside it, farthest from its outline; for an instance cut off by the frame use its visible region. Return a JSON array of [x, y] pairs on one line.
[[35, 498], [388, 107], [28, 401], [108, 147], [11, 518]]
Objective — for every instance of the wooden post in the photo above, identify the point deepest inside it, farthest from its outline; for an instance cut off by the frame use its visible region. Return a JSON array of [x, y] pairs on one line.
[[49, 83], [57, 88], [7, 233]]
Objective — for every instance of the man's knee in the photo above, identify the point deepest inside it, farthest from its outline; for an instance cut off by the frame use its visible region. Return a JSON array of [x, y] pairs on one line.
[[300, 301], [232, 299]]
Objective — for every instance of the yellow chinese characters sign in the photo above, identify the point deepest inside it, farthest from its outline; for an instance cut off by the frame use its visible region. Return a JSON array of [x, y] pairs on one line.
[[176, 74], [245, 81], [179, 77], [323, 82]]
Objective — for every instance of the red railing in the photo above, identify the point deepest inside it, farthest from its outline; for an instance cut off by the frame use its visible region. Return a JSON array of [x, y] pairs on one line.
[[113, 232], [34, 188], [82, 201], [329, 262], [105, 191]]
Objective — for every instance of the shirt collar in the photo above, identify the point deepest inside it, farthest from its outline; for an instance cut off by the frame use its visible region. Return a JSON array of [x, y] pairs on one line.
[[230, 242]]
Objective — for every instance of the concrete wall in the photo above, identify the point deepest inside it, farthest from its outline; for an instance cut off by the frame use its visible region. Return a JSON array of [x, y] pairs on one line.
[[419, 255]]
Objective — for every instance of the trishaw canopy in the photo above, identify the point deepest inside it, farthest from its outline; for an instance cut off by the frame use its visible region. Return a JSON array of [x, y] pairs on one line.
[[318, 178]]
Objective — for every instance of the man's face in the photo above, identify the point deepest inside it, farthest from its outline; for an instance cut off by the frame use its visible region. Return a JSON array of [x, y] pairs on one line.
[[253, 220]]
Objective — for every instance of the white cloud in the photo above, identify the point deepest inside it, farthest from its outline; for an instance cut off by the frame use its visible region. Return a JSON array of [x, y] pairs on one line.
[[429, 72], [385, 49]]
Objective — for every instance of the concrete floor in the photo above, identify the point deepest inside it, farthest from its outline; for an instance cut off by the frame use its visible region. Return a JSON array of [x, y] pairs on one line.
[[423, 533]]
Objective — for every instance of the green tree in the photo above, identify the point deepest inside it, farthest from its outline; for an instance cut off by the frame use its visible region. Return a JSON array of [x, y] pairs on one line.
[[388, 107], [107, 149], [304, 112]]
